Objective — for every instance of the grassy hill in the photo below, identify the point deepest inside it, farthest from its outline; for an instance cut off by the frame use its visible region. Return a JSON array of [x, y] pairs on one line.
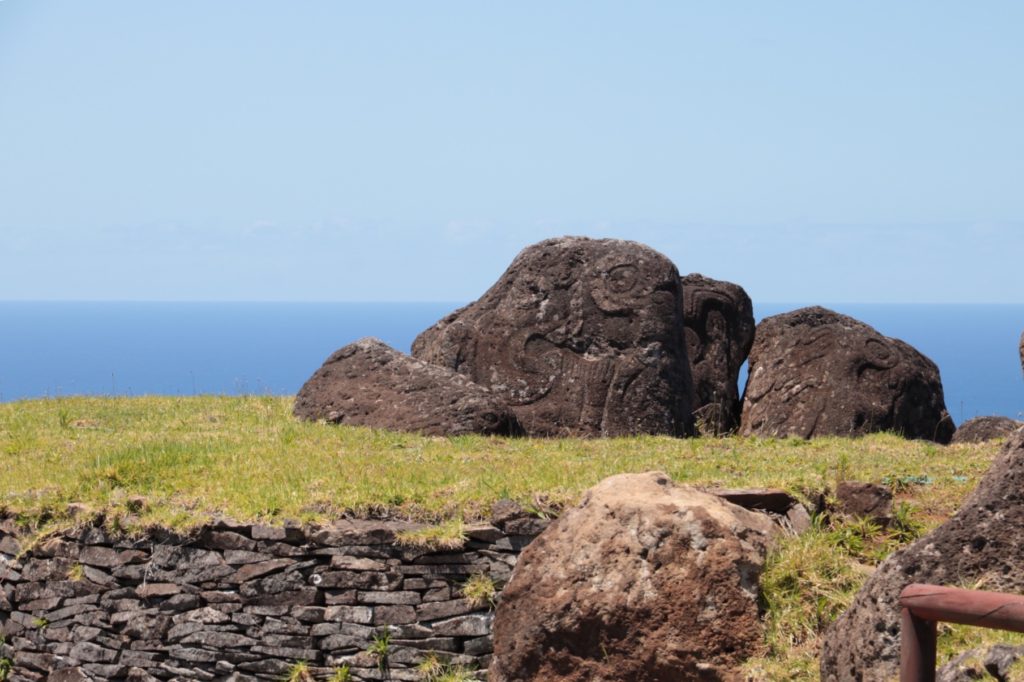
[[178, 461]]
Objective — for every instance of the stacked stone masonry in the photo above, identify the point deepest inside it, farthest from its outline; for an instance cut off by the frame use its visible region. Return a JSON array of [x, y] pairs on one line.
[[247, 602]]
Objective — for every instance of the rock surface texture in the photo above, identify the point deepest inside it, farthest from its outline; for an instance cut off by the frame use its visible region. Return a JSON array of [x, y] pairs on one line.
[[719, 321], [581, 337], [368, 383], [814, 372], [981, 429], [982, 541], [643, 581], [865, 500]]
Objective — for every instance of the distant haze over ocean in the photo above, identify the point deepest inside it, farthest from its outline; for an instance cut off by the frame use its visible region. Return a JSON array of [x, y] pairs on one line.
[[50, 349]]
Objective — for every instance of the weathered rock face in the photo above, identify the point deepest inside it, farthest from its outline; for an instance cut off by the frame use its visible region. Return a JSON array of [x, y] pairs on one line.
[[580, 337], [719, 321], [981, 429], [643, 581], [368, 383], [1020, 349], [814, 372], [865, 500], [985, 539]]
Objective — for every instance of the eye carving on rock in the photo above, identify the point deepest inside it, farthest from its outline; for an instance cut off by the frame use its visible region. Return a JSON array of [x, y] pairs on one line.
[[622, 278], [878, 355], [614, 286]]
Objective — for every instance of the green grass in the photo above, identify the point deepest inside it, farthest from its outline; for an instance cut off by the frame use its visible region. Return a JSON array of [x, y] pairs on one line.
[[177, 462]]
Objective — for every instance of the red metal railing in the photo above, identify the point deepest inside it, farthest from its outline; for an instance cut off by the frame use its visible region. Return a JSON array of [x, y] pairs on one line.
[[925, 605]]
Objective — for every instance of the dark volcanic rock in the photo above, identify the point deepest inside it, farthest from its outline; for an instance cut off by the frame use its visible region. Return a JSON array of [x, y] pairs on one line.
[[580, 336], [984, 541], [981, 429], [719, 321], [865, 500], [814, 372], [368, 383], [643, 581], [1020, 349]]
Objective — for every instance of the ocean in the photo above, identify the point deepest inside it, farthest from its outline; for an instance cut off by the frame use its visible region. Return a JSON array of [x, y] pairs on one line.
[[51, 349]]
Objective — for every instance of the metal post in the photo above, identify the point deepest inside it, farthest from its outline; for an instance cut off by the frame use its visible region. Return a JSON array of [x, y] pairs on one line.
[[917, 648]]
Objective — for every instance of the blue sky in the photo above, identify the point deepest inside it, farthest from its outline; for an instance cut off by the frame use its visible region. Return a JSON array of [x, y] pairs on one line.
[[812, 152]]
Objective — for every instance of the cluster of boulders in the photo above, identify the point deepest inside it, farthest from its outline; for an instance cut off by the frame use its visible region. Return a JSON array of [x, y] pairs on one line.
[[602, 337]]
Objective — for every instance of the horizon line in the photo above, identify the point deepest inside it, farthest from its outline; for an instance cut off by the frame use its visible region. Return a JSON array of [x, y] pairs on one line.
[[457, 302]]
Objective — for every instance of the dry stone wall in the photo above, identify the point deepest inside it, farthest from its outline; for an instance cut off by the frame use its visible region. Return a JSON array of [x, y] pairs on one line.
[[247, 602]]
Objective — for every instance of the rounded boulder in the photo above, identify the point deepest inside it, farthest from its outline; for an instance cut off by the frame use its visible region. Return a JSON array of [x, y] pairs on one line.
[[643, 581], [368, 383], [815, 372]]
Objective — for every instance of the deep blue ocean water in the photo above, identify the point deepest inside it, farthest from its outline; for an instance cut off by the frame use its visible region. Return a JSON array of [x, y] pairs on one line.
[[58, 349]]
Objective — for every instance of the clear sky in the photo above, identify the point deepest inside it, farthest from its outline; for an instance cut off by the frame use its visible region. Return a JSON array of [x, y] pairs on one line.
[[324, 150]]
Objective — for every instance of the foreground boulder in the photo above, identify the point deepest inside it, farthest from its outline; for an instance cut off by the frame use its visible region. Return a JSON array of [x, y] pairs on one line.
[[581, 337], [368, 383], [644, 581], [719, 321], [983, 542], [814, 372], [981, 429]]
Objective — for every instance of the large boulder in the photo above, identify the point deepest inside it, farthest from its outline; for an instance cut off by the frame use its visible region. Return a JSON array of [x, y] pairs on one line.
[[981, 543], [981, 429], [719, 321], [643, 581], [368, 383], [814, 372], [581, 337]]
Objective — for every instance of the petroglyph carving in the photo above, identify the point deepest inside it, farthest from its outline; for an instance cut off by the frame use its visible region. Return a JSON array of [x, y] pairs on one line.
[[815, 372], [580, 336], [719, 322]]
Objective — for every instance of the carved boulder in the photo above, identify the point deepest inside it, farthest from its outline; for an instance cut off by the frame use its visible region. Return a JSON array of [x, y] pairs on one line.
[[814, 372], [719, 321], [581, 337]]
